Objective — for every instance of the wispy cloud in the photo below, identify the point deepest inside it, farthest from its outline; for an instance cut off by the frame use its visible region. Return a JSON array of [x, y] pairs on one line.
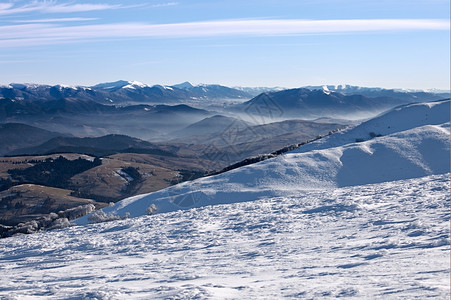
[[68, 8], [5, 6], [52, 33], [164, 4], [56, 20], [53, 7]]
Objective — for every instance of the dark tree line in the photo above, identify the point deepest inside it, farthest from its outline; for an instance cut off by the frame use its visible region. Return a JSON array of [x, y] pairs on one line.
[[52, 172], [137, 178], [186, 175], [5, 184]]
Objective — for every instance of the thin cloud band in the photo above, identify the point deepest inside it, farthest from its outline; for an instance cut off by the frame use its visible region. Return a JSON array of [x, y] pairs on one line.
[[57, 32]]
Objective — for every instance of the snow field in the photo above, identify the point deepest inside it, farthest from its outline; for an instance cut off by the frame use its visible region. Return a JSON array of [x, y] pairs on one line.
[[379, 241]]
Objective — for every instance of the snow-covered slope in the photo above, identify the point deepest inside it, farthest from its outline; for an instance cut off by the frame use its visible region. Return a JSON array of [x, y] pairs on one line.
[[414, 143], [396, 120], [378, 241]]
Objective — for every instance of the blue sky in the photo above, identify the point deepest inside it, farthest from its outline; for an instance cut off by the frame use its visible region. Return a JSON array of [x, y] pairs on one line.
[[289, 43]]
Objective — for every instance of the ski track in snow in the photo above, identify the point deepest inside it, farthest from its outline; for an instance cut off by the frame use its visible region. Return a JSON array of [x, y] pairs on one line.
[[378, 241]]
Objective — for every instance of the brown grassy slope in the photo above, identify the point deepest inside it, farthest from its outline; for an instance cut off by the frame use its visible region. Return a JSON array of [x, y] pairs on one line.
[[98, 185], [30, 201]]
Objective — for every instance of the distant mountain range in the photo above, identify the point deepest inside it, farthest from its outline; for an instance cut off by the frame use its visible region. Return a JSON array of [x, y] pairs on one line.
[[123, 92], [342, 102], [417, 95], [160, 112], [132, 92], [84, 117]]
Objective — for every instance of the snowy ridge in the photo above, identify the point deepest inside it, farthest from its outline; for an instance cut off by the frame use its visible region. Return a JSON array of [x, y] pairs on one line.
[[258, 90], [134, 85], [414, 143], [354, 88], [64, 86], [25, 85], [396, 120]]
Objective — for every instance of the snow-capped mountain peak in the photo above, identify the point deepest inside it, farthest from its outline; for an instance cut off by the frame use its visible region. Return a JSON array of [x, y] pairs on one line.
[[64, 86], [120, 84], [21, 86], [326, 90], [134, 85], [183, 85]]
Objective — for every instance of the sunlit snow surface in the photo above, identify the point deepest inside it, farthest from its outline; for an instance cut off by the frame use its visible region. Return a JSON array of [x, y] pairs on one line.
[[385, 240]]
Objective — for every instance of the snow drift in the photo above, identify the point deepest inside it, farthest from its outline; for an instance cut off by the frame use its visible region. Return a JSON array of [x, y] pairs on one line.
[[410, 141]]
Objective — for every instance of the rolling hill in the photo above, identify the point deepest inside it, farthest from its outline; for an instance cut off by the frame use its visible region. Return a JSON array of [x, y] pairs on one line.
[[96, 146], [209, 126], [15, 136]]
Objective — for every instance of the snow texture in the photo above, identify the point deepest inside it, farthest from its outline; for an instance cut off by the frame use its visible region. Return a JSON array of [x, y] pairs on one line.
[[361, 214], [379, 241]]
